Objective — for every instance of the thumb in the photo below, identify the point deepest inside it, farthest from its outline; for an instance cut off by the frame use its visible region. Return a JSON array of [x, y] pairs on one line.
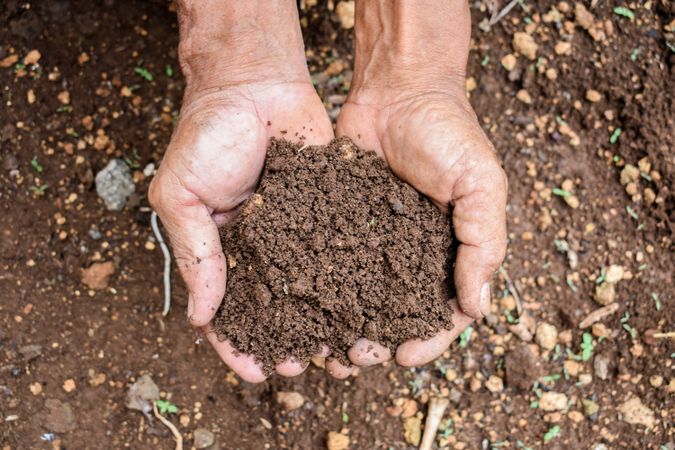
[[196, 246], [479, 220]]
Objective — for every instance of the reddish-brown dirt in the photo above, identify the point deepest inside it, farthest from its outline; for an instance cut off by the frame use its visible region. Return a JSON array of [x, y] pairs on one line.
[[62, 341]]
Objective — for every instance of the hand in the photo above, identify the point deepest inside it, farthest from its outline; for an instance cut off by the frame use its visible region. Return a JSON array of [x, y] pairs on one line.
[[216, 154], [414, 113]]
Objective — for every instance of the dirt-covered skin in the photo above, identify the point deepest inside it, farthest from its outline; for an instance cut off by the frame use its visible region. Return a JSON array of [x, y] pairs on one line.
[[333, 247]]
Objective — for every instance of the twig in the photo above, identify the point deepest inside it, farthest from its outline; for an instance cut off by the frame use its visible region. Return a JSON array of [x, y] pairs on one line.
[[513, 289], [507, 9], [167, 263], [437, 407], [176, 435], [670, 334], [598, 315]]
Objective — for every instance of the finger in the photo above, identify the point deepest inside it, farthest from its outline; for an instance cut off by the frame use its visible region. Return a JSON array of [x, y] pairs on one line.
[[243, 365], [290, 368], [196, 246], [479, 221], [338, 370], [417, 352], [368, 353]]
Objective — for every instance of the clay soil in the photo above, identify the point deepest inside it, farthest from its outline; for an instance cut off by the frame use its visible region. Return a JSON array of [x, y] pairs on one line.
[[64, 346], [330, 248]]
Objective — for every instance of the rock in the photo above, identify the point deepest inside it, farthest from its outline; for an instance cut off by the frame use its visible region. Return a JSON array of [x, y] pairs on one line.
[[524, 44], [142, 394], [590, 407], [9, 162], [509, 62], [32, 57], [345, 12], [59, 417], [522, 367], [552, 401], [337, 441], [9, 60], [601, 366], [98, 275], [563, 48], [645, 165], [629, 174], [593, 96], [546, 336], [656, 381], [525, 327], [574, 368], [494, 384], [203, 438], [30, 352], [412, 430], [524, 96], [409, 408], [69, 385], [637, 413], [290, 400], [114, 184], [64, 97], [575, 416], [583, 17], [613, 274], [605, 293]]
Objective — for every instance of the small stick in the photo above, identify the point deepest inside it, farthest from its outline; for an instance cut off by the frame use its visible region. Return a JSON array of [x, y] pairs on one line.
[[177, 436], [167, 263], [513, 289], [437, 407], [598, 315], [507, 9], [670, 334]]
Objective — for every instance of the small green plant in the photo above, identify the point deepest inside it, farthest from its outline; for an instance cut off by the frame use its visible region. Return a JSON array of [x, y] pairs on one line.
[[39, 190], [345, 417], [372, 222], [552, 377], [561, 192], [634, 54], [465, 337], [36, 165], [144, 73], [657, 300], [552, 433], [587, 346], [166, 406], [625, 12], [631, 212], [626, 326], [613, 139], [169, 70]]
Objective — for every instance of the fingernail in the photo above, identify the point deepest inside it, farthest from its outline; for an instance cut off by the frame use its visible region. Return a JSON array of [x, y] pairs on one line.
[[485, 299], [190, 308]]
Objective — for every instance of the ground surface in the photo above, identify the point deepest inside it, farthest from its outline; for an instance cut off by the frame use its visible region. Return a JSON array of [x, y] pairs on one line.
[[69, 353]]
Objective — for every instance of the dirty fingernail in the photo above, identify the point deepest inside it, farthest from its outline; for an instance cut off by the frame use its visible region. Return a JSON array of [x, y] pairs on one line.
[[485, 299], [190, 308]]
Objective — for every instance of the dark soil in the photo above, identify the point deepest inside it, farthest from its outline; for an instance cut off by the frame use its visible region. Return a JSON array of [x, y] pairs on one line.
[[53, 328], [333, 247]]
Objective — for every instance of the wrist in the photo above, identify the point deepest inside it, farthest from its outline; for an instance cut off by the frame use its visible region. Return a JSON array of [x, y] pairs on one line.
[[227, 43], [409, 48]]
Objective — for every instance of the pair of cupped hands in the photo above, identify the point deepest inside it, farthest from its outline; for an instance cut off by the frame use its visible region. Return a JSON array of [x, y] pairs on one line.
[[427, 133]]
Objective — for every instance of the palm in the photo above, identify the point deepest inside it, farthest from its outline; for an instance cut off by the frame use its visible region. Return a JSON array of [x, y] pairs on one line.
[[434, 142]]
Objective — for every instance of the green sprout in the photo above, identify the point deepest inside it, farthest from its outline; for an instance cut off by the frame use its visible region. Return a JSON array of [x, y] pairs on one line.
[[561, 192], [39, 190], [552, 377], [485, 61], [166, 406], [345, 417], [634, 54], [372, 222], [626, 326], [553, 433], [522, 445], [509, 316], [615, 136], [625, 12], [169, 70], [631, 212], [465, 337], [36, 165], [144, 73], [657, 300], [587, 346]]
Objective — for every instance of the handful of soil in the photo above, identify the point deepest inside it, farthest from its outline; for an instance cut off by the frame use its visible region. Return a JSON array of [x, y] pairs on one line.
[[333, 247]]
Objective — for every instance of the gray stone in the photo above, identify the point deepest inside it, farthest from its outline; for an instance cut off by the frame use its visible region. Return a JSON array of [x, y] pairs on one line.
[[114, 184], [142, 394], [601, 366], [59, 417], [203, 438]]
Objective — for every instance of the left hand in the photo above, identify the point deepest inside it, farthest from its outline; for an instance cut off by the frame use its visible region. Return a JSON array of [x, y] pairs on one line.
[[432, 140]]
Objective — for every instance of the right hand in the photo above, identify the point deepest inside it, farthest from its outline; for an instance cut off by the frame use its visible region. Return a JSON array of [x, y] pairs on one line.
[[211, 166]]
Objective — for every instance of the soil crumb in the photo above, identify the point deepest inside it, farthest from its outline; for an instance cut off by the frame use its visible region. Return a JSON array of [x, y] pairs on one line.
[[333, 247]]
